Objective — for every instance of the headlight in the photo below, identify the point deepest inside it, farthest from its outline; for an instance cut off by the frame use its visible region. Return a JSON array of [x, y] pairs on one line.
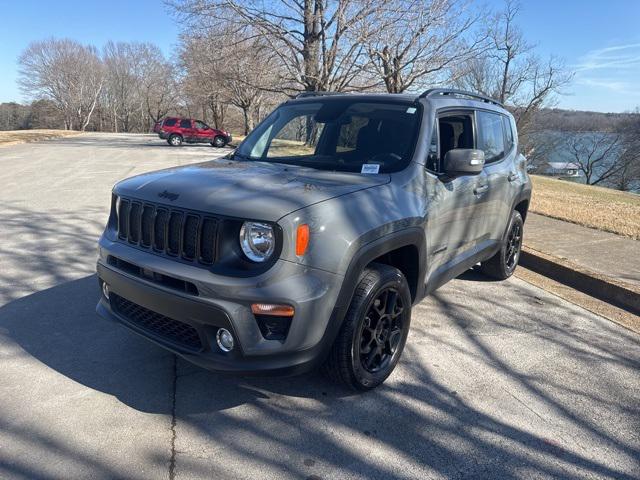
[[257, 241]]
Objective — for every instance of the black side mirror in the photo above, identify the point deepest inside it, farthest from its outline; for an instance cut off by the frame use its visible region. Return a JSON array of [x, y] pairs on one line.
[[463, 161]]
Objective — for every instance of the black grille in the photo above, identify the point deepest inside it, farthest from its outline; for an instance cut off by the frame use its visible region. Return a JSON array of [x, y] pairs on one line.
[[208, 240], [147, 225], [188, 235], [134, 222], [173, 330]]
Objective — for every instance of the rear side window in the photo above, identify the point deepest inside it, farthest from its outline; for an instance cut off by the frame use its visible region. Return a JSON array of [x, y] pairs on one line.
[[490, 136], [508, 143], [169, 122], [185, 123]]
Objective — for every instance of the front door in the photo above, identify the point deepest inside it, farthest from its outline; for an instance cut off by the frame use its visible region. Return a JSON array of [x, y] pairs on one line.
[[454, 204], [203, 132]]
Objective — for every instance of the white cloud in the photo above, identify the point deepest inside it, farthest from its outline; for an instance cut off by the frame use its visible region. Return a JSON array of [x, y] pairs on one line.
[[617, 56], [617, 86]]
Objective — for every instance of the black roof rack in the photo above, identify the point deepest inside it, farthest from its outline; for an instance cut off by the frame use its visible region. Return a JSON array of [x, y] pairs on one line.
[[432, 92]]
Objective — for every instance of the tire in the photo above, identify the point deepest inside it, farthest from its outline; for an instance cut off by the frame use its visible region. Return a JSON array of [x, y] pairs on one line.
[[502, 265], [369, 345], [175, 140], [218, 142]]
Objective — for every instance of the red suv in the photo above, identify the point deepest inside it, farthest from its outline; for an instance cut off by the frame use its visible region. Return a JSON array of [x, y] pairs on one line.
[[177, 130]]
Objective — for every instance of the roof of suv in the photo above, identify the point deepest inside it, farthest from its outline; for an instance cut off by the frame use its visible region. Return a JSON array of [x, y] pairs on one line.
[[451, 96]]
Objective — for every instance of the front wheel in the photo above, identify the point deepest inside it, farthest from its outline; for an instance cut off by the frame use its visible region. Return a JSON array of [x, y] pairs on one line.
[[502, 265], [219, 142], [374, 330]]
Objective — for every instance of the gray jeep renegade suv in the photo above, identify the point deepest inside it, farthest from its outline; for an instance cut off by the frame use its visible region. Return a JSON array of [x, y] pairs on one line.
[[309, 243]]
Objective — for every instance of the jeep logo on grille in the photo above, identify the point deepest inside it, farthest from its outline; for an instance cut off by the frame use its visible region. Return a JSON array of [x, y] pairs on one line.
[[168, 195]]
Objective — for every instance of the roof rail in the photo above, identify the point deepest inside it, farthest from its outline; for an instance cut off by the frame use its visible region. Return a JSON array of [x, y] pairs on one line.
[[316, 94], [432, 92]]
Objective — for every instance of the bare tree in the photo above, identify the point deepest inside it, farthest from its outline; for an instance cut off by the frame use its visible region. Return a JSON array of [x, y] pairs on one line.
[[121, 61], [244, 82], [66, 72], [200, 81], [511, 72], [627, 177], [598, 155], [416, 41], [157, 88], [314, 41]]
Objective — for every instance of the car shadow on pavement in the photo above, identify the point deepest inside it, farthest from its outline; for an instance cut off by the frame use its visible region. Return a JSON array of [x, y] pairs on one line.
[[305, 426]]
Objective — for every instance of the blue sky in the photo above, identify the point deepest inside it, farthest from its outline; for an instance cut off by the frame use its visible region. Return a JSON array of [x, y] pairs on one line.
[[599, 40]]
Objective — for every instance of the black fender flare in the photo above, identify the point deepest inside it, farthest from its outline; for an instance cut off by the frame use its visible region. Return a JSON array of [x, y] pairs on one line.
[[525, 194], [365, 254]]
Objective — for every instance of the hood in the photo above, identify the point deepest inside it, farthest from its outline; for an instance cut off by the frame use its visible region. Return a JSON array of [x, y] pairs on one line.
[[245, 189]]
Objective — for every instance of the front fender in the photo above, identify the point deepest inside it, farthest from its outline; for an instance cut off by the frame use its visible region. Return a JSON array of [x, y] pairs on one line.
[[341, 226]]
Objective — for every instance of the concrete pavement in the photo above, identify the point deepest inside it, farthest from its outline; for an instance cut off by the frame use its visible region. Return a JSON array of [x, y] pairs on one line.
[[604, 253], [498, 380]]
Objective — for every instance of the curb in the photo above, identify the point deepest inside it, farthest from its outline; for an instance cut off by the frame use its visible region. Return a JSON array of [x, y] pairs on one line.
[[600, 286]]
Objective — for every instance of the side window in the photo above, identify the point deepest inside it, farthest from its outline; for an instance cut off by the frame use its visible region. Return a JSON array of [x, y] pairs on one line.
[[201, 125], [169, 122], [185, 123], [455, 130], [508, 144], [490, 136]]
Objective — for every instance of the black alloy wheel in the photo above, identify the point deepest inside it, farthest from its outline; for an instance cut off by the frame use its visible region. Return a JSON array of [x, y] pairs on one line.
[[374, 330], [381, 331]]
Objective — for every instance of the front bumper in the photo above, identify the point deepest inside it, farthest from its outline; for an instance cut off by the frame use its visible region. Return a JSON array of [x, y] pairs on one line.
[[313, 294]]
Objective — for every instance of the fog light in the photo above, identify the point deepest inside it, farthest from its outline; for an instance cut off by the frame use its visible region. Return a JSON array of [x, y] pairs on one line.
[[105, 290], [224, 339]]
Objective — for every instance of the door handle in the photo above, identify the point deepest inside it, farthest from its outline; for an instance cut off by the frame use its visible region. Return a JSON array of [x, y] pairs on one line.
[[481, 189], [512, 176]]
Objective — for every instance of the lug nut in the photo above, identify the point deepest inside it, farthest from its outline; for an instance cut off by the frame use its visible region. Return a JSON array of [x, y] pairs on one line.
[[224, 339]]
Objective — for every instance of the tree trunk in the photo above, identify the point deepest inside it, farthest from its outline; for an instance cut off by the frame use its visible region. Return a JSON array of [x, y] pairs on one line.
[[311, 45], [245, 113]]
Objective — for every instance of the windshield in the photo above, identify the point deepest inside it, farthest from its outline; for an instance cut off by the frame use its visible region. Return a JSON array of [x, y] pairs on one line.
[[337, 134]]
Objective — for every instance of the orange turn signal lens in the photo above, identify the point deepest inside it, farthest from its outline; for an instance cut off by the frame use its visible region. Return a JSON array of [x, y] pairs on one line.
[[302, 239], [272, 309]]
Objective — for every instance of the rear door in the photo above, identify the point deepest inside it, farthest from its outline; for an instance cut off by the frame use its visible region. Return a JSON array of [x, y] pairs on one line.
[[187, 130], [499, 155]]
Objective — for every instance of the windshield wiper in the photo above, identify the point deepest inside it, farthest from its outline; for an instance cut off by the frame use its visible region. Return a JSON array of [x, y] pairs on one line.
[[240, 157]]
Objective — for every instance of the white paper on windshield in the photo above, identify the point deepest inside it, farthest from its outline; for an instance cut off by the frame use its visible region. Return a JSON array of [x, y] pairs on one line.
[[370, 168], [411, 110]]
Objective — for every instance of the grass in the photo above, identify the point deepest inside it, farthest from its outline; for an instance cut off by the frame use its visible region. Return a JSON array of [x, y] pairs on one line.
[[11, 137], [595, 207]]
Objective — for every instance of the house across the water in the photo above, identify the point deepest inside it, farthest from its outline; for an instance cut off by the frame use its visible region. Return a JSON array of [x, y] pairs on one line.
[[562, 169]]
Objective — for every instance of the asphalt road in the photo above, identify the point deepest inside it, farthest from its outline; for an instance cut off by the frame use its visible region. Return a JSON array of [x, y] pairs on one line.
[[498, 380]]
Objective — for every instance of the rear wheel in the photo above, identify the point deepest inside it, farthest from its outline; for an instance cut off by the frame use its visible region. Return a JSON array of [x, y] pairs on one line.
[[502, 265], [219, 142], [374, 330], [175, 140]]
